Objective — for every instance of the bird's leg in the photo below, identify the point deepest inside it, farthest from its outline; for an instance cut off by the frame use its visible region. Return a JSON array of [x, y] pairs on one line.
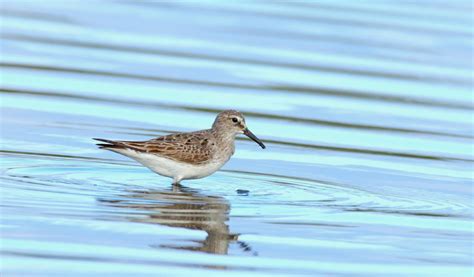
[[176, 188], [176, 185], [176, 181]]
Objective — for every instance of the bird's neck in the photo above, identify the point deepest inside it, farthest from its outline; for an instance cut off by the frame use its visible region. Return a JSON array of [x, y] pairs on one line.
[[225, 141], [223, 136]]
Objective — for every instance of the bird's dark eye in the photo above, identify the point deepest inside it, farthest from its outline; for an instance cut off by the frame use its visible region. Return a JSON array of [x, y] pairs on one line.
[[235, 120]]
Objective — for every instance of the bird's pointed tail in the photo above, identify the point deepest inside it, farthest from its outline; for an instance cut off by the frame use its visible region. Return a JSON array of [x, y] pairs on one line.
[[108, 143]]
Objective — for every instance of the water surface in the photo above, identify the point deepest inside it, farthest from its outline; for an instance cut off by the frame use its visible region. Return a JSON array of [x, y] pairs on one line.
[[365, 108]]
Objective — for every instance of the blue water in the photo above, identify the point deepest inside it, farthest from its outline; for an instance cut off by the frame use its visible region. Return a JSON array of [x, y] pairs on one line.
[[365, 108]]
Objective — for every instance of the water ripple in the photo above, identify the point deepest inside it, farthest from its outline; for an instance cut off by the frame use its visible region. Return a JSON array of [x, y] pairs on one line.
[[129, 188]]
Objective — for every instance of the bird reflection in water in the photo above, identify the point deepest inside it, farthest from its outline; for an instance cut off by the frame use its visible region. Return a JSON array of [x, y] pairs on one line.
[[185, 208]]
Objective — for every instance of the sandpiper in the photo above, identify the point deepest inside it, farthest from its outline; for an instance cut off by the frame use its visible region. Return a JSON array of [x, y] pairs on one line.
[[186, 156]]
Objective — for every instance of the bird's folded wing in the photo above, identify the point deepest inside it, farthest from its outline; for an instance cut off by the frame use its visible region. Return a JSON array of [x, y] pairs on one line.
[[194, 148]]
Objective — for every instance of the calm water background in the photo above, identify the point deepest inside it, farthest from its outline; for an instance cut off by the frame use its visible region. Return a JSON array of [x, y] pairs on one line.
[[365, 106]]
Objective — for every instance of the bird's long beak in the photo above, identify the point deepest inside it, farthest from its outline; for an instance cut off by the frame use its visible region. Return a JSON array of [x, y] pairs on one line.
[[253, 137]]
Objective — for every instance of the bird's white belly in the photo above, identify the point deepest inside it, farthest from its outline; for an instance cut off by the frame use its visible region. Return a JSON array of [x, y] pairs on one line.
[[171, 168]]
